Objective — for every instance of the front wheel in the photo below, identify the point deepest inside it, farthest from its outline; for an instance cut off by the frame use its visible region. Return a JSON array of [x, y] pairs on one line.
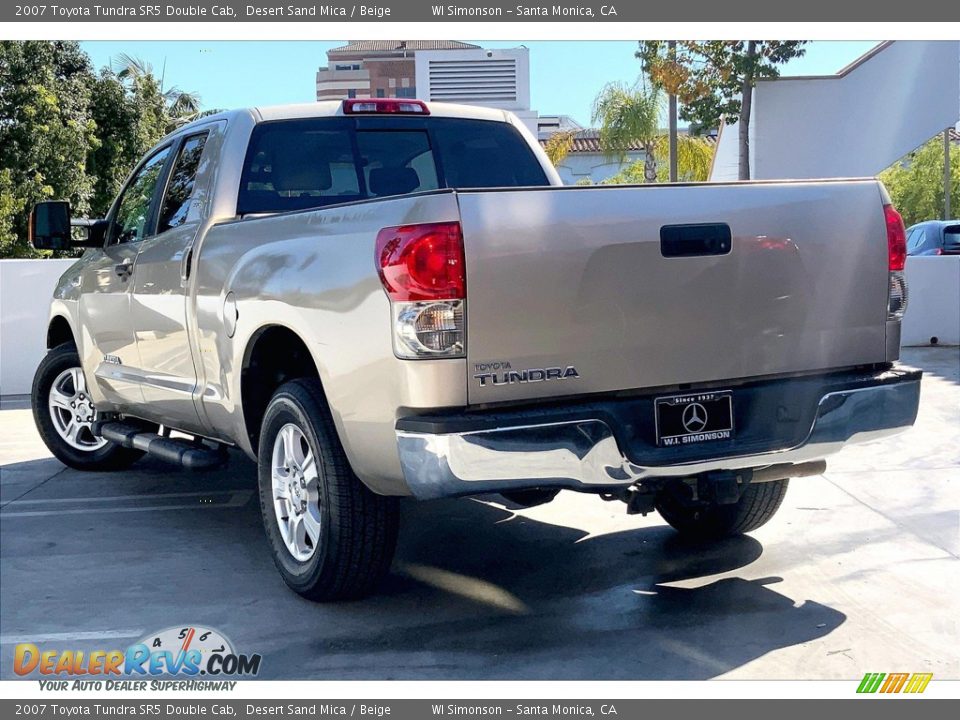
[[757, 504], [64, 414], [331, 537]]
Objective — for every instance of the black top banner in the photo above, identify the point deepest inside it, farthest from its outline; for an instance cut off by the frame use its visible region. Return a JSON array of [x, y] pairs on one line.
[[501, 11]]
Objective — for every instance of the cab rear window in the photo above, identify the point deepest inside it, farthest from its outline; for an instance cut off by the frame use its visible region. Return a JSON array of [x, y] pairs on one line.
[[309, 163]]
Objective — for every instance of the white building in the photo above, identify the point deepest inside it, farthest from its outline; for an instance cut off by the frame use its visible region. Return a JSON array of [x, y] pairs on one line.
[[478, 76], [437, 70], [855, 123]]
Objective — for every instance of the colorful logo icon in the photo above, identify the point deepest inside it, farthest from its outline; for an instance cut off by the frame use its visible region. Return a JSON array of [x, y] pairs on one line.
[[894, 682]]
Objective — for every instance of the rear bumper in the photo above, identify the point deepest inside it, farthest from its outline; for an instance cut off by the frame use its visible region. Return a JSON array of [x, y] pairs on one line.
[[597, 446]]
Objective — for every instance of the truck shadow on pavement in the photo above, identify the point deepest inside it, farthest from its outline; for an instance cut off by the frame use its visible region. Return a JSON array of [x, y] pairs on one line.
[[476, 590]]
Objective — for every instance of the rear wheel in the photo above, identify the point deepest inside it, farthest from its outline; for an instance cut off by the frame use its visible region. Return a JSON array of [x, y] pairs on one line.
[[756, 506], [64, 414], [332, 538]]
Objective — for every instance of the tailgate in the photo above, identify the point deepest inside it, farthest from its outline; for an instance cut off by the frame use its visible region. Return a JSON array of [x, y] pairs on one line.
[[577, 278]]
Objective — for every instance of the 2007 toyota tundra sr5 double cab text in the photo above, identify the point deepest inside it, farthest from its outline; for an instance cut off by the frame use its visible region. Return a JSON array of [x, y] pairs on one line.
[[380, 298]]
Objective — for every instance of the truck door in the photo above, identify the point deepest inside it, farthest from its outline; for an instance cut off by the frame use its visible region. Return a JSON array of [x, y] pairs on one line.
[[161, 288], [110, 352]]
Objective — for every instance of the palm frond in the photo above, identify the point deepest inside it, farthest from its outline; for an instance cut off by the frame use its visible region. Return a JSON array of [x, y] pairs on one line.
[[627, 115]]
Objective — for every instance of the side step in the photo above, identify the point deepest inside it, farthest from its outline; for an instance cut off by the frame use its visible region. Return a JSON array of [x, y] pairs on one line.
[[193, 456]]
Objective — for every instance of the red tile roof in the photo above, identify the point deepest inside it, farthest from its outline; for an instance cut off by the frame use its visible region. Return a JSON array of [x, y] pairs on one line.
[[588, 141]]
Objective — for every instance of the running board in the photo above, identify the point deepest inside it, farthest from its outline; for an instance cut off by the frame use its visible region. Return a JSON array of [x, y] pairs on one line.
[[185, 453]]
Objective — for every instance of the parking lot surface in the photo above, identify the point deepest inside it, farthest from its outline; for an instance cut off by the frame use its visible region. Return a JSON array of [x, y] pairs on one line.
[[858, 572]]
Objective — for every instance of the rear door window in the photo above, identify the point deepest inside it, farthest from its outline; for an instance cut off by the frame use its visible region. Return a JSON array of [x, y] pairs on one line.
[[179, 195], [309, 163]]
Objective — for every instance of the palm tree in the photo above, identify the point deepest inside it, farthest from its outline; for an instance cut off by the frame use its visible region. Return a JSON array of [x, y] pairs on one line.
[[627, 116], [182, 106], [630, 115]]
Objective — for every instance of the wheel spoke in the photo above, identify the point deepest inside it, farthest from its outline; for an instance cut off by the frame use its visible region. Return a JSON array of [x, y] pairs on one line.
[[311, 526], [293, 525], [72, 431], [309, 467], [60, 399], [288, 435], [79, 384]]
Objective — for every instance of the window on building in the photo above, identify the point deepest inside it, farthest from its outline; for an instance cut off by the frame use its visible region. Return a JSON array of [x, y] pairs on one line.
[[351, 93], [406, 92], [381, 93]]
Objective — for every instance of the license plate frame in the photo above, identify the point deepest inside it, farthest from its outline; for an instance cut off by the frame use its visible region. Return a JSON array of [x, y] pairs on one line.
[[679, 423]]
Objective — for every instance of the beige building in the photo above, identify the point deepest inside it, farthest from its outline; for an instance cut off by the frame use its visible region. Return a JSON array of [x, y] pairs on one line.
[[377, 68]]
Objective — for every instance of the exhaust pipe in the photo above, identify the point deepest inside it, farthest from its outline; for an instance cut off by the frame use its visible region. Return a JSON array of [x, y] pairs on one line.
[[783, 471]]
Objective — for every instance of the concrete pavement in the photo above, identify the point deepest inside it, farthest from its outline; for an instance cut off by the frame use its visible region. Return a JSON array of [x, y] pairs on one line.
[[858, 572]]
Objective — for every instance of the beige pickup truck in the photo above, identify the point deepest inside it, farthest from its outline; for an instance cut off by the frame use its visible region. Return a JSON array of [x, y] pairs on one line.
[[380, 298]]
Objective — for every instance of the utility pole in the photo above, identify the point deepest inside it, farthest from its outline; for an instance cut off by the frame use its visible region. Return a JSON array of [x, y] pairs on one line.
[[946, 174], [672, 50]]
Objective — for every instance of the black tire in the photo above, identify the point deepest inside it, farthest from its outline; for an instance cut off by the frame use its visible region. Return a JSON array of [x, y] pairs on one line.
[[108, 457], [756, 506], [357, 528]]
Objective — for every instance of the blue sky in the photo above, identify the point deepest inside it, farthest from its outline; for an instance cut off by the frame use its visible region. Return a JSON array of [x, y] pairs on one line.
[[565, 76]]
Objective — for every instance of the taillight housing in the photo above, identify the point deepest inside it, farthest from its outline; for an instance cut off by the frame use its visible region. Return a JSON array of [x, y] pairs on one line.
[[422, 271], [388, 106], [896, 260]]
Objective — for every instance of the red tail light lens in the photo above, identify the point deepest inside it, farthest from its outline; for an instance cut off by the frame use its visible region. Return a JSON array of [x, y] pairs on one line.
[[375, 106], [422, 262], [896, 238]]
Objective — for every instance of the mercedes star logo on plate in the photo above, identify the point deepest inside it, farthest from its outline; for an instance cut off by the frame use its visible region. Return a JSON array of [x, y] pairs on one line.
[[694, 417]]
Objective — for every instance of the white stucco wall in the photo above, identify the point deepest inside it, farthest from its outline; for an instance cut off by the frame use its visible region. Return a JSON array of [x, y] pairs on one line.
[[853, 125], [594, 166], [933, 301], [26, 287]]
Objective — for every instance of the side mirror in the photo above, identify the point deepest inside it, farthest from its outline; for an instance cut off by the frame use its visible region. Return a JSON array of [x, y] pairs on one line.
[[50, 225]]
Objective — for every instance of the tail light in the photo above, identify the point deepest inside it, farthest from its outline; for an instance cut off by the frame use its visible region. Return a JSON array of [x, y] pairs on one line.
[[422, 270], [896, 259]]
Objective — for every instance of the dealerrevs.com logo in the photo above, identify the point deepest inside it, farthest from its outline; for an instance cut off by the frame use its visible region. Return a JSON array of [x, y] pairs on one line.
[[185, 652]]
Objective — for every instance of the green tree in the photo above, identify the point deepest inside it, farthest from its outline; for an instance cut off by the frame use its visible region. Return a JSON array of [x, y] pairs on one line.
[[714, 79], [46, 133], [558, 146], [631, 115], [68, 133], [915, 183], [694, 156]]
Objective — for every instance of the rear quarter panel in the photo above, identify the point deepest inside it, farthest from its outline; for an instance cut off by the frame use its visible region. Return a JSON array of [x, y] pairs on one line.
[[314, 273]]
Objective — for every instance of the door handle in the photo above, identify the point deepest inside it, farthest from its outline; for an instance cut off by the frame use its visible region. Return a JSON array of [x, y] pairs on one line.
[[185, 265], [124, 269]]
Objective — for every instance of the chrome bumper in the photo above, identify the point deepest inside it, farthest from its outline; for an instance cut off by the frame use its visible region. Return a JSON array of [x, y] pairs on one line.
[[584, 454]]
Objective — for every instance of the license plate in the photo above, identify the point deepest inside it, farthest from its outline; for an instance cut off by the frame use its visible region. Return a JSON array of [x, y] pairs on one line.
[[694, 418]]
